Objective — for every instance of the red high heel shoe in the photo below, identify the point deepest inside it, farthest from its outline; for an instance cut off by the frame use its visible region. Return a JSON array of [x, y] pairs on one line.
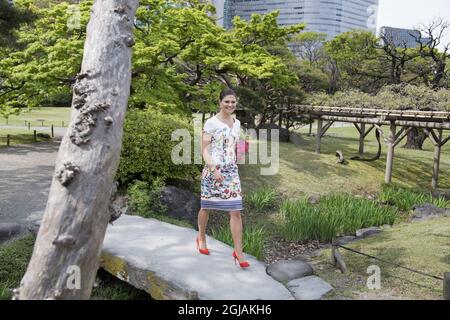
[[202, 251], [243, 264]]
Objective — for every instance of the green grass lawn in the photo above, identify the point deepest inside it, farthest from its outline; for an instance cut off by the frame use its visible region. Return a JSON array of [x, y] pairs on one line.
[[36, 117], [423, 246], [49, 116], [20, 136], [302, 171]]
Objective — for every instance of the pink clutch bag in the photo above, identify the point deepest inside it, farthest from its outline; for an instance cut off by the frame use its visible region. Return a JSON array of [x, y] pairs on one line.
[[242, 148]]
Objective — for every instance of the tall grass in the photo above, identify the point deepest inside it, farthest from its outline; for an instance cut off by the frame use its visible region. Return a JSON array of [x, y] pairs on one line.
[[261, 198], [405, 199], [334, 215], [252, 241]]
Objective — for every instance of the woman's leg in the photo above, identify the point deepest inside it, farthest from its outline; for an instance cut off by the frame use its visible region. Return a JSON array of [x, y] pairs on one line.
[[236, 232], [202, 220]]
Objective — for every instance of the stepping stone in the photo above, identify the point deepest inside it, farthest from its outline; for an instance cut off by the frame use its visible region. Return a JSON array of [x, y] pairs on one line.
[[286, 270], [365, 232], [309, 288], [427, 210], [163, 260]]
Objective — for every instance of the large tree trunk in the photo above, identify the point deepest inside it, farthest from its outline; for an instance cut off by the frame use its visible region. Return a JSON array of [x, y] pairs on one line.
[[415, 139], [70, 238]]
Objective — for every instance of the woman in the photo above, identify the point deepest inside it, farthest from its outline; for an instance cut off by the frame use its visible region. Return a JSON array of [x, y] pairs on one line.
[[220, 186]]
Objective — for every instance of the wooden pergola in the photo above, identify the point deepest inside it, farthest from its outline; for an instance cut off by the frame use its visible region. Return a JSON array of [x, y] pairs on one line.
[[433, 123]]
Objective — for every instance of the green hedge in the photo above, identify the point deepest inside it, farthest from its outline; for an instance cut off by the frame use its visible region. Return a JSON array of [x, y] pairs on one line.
[[147, 148]]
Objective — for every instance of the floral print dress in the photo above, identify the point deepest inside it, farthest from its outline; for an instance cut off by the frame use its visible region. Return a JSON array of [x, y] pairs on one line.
[[225, 195]]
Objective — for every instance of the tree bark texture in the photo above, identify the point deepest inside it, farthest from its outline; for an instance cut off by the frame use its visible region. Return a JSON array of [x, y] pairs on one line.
[[415, 139], [76, 216]]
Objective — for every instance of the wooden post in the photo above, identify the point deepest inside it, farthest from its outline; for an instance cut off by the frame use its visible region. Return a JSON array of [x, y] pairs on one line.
[[319, 135], [336, 258], [361, 138], [53, 132], [446, 290], [29, 126], [280, 118], [390, 153], [8, 138], [35, 136], [310, 129], [436, 160]]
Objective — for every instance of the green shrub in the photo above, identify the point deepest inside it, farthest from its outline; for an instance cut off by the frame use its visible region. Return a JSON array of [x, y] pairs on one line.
[[252, 241], [405, 199], [144, 201], [334, 215], [144, 198], [147, 148], [261, 198]]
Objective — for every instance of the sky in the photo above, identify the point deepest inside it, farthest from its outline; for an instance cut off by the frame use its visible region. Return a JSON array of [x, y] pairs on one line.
[[412, 13]]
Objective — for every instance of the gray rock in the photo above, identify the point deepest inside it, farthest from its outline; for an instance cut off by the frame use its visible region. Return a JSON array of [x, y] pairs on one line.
[[180, 204], [309, 288], [314, 199], [365, 232], [346, 239], [162, 259], [428, 210], [286, 270], [441, 193], [9, 230]]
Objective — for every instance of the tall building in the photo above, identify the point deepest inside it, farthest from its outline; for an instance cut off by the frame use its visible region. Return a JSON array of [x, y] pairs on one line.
[[328, 16], [220, 7], [405, 38]]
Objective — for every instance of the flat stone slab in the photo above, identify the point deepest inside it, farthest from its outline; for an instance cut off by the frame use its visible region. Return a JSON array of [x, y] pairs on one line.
[[309, 288], [286, 270], [163, 260]]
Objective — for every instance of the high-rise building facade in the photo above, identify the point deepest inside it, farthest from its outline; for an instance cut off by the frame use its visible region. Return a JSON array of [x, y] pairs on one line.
[[220, 7], [332, 17], [404, 38]]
